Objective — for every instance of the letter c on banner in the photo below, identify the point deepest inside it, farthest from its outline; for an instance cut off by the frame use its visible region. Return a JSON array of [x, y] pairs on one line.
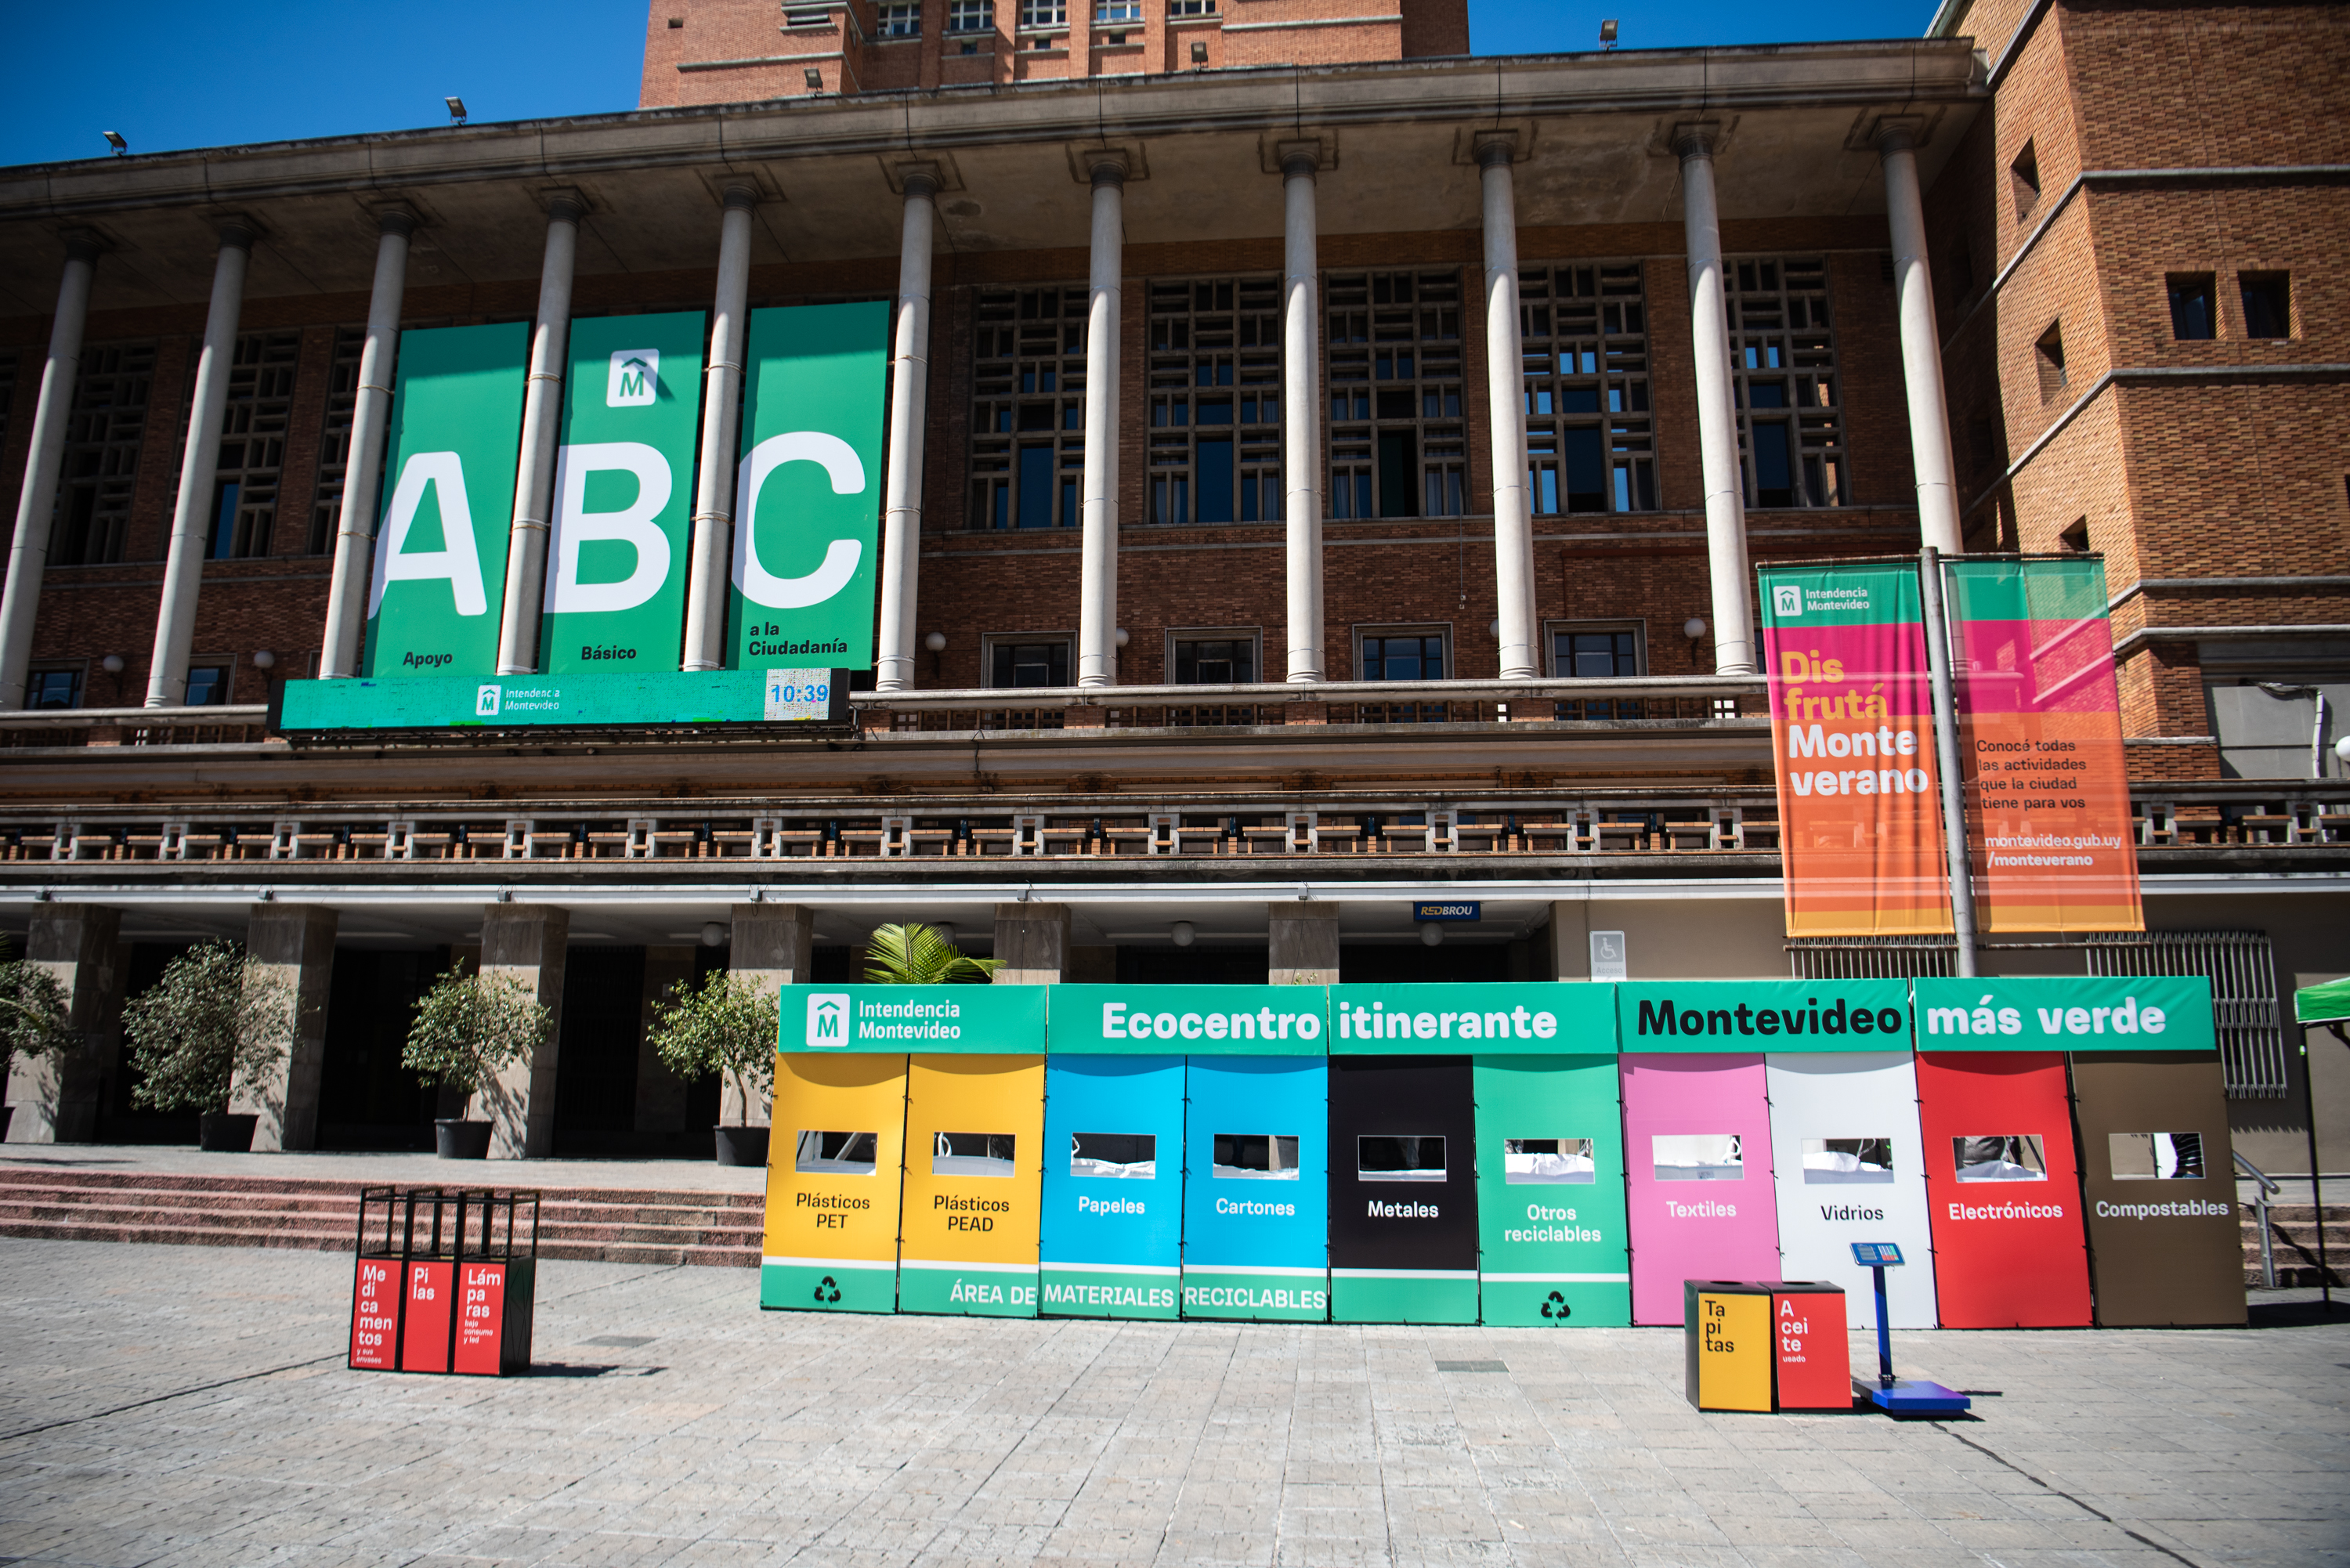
[[631, 524], [842, 466]]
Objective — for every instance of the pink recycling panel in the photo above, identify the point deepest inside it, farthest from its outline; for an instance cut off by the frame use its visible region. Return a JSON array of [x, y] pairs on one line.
[[1696, 1161]]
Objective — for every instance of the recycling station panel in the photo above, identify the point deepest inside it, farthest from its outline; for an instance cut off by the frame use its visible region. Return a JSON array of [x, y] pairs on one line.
[[1550, 1193], [2003, 1195], [1112, 1233], [834, 1164], [1697, 1138], [1849, 1159], [2165, 1244], [974, 1167], [1403, 1189]]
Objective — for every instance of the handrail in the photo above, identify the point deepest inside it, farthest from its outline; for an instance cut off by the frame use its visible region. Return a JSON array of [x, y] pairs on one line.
[[1275, 692], [2261, 1196], [132, 717]]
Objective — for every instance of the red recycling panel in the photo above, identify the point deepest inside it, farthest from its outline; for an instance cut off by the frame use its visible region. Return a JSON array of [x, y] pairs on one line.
[[1815, 1358], [2009, 1248], [481, 1318], [374, 1315], [424, 1337]]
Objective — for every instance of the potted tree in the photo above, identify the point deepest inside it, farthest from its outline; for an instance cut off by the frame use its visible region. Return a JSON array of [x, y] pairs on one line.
[[469, 1028], [36, 1018], [728, 1026], [915, 954], [212, 1023]]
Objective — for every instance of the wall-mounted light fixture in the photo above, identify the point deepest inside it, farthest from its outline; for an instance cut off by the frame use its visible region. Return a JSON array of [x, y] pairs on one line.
[[456, 110]]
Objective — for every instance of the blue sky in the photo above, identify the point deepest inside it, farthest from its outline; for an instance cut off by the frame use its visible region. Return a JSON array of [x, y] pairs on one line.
[[175, 75]]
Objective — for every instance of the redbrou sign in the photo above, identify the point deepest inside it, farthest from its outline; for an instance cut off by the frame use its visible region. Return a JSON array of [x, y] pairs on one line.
[[1852, 722]]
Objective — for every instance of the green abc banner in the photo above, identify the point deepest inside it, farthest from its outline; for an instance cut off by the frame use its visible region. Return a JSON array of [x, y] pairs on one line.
[[616, 558], [449, 483], [807, 496]]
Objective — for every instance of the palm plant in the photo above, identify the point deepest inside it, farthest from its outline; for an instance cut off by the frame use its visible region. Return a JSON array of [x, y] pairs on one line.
[[914, 954]]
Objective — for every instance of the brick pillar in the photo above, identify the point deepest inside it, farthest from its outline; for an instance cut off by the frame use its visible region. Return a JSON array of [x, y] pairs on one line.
[[58, 1097], [661, 1094], [293, 946], [1304, 949], [774, 944], [1033, 940], [526, 940]]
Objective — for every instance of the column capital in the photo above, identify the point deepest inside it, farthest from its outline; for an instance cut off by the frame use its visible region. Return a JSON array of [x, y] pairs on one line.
[[82, 245], [1302, 158], [236, 231], [1107, 163], [1900, 134], [395, 218], [562, 204], [913, 180], [1495, 149], [1695, 138]]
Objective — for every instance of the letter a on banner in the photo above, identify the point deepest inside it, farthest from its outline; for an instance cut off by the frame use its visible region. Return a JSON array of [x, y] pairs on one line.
[[616, 557], [1852, 721], [2047, 788], [807, 493], [449, 485]]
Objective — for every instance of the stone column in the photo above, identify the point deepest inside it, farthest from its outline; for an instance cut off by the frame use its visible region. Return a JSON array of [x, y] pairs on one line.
[[346, 594], [1304, 949], [773, 946], [292, 946], [542, 427], [1301, 410], [57, 1098], [1033, 940], [721, 401], [1513, 534], [661, 1094], [1921, 347], [910, 387], [1717, 418], [526, 940], [192, 515], [1097, 584], [28, 553]]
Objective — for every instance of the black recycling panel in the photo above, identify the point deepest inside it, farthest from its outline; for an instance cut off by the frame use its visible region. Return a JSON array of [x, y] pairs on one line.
[[1384, 1110]]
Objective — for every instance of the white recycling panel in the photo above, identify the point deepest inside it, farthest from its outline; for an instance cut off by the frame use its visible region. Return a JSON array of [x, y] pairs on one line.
[[1848, 1157]]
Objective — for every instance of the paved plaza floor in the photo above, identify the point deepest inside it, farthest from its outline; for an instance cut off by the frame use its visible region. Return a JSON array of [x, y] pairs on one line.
[[162, 1405]]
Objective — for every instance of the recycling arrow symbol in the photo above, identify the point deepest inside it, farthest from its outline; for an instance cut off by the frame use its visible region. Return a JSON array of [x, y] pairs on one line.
[[827, 1292], [1555, 1307]]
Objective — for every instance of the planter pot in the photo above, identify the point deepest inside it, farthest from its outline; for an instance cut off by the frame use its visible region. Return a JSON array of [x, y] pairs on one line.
[[224, 1132], [459, 1139], [743, 1145]]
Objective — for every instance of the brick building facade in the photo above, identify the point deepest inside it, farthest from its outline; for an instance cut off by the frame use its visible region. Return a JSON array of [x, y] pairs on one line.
[[2072, 213]]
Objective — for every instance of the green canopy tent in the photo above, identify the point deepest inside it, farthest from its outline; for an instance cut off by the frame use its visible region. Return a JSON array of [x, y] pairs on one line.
[[2328, 1004], [2316, 1006]]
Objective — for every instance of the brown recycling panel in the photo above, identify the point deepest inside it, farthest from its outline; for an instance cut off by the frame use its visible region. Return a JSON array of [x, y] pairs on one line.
[[2157, 1172]]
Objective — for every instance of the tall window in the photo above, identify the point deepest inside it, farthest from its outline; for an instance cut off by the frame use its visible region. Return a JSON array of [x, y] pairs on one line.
[[335, 438], [899, 21], [1215, 401], [1028, 408], [1402, 654], [1044, 13], [2191, 315], [252, 443], [1032, 661], [102, 456], [1398, 448], [1782, 359], [1212, 659], [1590, 445], [2268, 304]]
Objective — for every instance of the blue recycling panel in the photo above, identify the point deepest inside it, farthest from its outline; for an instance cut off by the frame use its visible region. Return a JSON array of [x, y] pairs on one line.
[[1113, 1223], [1256, 1196]]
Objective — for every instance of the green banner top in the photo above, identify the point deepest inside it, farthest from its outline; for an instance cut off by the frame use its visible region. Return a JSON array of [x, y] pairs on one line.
[[1762, 1016], [1192, 1019], [2122, 1012], [1865, 595], [934, 1020], [1530, 1018], [2327, 1003], [2066, 590]]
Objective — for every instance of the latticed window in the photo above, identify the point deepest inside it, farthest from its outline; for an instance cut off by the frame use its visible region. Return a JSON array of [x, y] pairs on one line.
[[252, 443], [1591, 444], [1215, 401], [1044, 13], [1783, 361], [335, 438], [1108, 13], [1398, 448], [101, 455], [899, 21], [1028, 408], [971, 17]]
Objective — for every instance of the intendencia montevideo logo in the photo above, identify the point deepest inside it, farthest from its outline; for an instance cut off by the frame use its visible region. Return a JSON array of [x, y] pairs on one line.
[[635, 379]]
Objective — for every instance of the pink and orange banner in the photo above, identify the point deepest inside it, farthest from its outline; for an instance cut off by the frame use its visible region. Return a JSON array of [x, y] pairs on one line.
[[1852, 710], [2047, 787]]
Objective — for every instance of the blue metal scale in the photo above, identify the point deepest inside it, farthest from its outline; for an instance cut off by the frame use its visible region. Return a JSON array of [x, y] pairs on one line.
[[1898, 1396]]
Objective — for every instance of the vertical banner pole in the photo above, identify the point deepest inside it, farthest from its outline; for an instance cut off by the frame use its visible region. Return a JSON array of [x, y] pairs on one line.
[[1946, 753]]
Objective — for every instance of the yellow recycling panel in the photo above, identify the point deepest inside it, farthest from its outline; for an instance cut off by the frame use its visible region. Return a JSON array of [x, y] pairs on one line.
[[834, 1164], [974, 1180]]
